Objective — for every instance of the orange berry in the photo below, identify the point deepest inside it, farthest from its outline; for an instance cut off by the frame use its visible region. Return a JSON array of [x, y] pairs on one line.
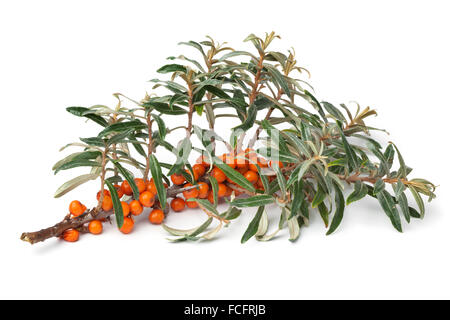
[[192, 204], [203, 188], [192, 193], [147, 199], [243, 170], [241, 161], [76, 208], [280, 164], [125, 208], [222, 191], [229, 159], [119, 191], [177, 204], [126, 188], [95, 227], [218, 174], [195, 176], [156, 216], [177, 179], [107, 204], [251, 176], [151, 186], [136, 208], [140, 184], [71, 235], [127, 226], [199, 170], [105, 193], [211, 197]]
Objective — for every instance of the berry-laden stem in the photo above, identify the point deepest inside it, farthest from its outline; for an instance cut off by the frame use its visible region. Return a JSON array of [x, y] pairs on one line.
[[80, 221], [150, 146]]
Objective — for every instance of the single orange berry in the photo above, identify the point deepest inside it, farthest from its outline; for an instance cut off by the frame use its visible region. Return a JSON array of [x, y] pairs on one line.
[[71, 235], [210, 197], [136, 208], [251, 176], [192, 204], [177, 204], [140, 184], [126, 188], [243, 170], [218, 174], [177, 179], [127, 226], [119, 191], [199, 170], [125, 208], [147, 199], [280, 164], [222, 191], [95, 227], [191, 193], [76, 208], [107, 203], [203, 189], [151, 186], [156, 216], [241, 161], [105, 193]]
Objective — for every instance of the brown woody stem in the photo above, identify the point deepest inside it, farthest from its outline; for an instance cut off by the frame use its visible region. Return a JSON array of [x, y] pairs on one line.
[[78, 222], [149, 146]]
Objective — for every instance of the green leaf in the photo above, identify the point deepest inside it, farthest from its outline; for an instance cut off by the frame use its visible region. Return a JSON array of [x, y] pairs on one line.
[[359, 192], [118, 212], [339, 212], [324, 213], [419, 200], [298, 199], [332, 110], [351, 155], [86, 112], [75, 182], [215, 189], [403, 169], [253, 226], [205, 204], [278, 78], [318, 197], [250, 120], [127, 177], [378, 186], [280, 178], [168, 68], [317, 105], [403, 203], [94, 141], [156, 171], [234, 175], [123, 126], [161, 126], [388, 205], [165, 109], [254, 201], [77, 163], [294, 229], [234, 54]]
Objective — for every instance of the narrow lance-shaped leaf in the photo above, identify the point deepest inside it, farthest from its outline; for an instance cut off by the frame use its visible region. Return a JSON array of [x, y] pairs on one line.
[[360, 191], [419, 201], [253, 226], [127, 177], [156, 171], [255, 201], [234, 175], [388, 205], [118, 212], [351, 155], [339, 212]]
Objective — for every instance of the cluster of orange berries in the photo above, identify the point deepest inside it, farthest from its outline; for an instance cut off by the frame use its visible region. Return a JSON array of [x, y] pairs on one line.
[[147, 192], [243, 162]]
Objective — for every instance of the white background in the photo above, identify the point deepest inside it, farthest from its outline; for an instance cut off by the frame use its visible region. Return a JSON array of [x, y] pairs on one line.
[[391, 55]]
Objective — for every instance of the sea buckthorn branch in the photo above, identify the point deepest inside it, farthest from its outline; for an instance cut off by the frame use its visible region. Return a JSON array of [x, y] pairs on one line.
[[301, 167]]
